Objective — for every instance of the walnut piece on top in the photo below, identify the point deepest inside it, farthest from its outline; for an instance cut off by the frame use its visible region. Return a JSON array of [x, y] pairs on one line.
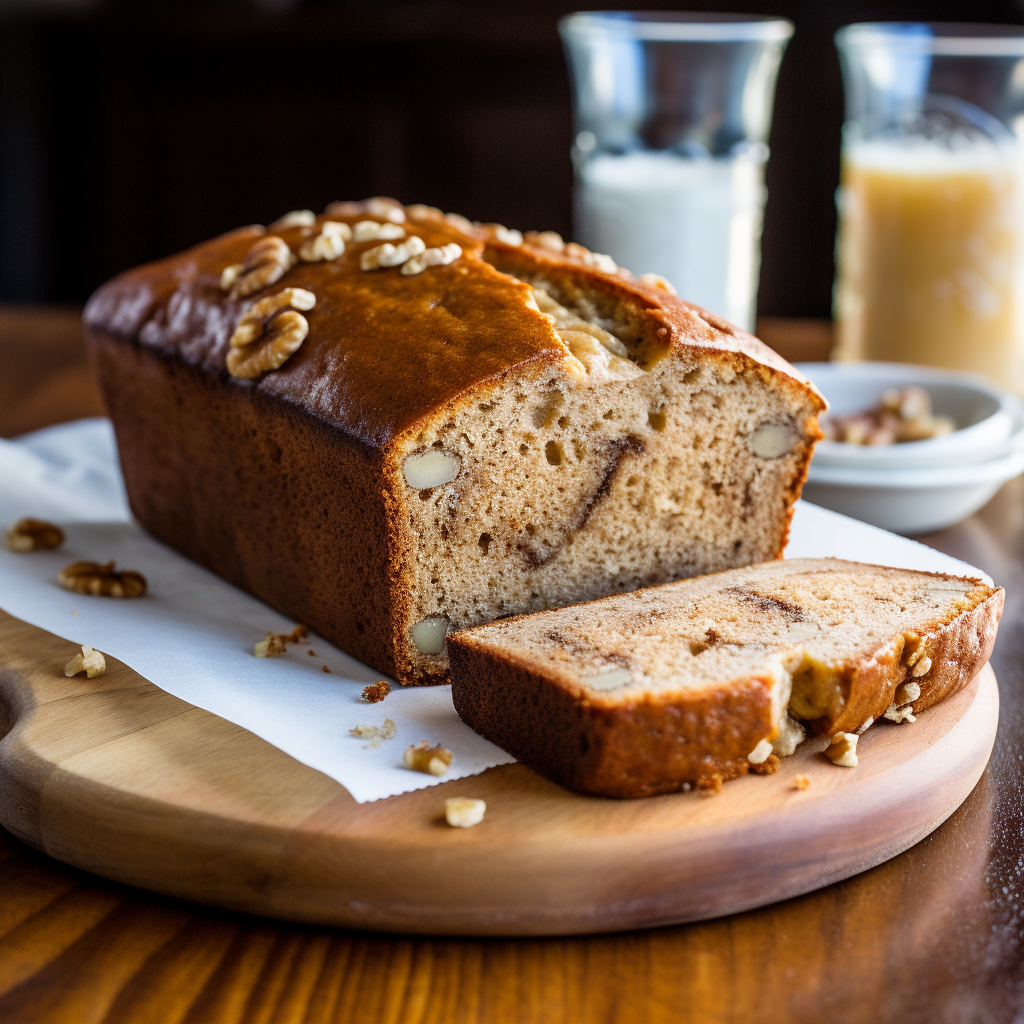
[[266, 262], [269, 332]]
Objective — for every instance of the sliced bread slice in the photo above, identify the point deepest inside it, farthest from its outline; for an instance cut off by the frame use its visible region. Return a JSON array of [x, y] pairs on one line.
[[688, 683]]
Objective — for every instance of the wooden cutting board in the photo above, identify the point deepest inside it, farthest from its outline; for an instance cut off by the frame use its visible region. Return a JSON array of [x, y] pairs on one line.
[[120, 778]]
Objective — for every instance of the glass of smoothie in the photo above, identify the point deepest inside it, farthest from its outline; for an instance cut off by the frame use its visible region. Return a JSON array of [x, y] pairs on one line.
[[930, 249], [671, 115]]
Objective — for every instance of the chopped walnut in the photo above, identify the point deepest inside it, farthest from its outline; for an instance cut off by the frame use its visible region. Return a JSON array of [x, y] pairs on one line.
[[269, 332], [659, 282], [34, 535], [346, 208], [101, 580], [904, 414], [90, 661], [265, 263], [900, 714], [463, 224], [500, 233], [273, 645], [324, 668], [389, 209], [377, 692], [769, 766], [921, 668], [463, 811], [294, 219], [591, 259], [843, 749], [388, 255], [801, 782], [329, 244], [546, 240], [432, 258], [229, 275], [373, 230], [710, 784], [419, 211], [375, 734], [906, 693], [432, 760]]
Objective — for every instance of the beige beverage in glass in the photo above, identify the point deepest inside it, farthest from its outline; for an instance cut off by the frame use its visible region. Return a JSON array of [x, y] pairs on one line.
[[929, 248]]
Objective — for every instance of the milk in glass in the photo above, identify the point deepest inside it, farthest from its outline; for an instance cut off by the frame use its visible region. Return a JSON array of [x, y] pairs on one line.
[[695, 221], [929, 254]]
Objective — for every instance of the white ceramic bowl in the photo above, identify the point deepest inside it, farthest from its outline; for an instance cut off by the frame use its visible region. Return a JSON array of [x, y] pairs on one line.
[[986, 416], [918, 486]]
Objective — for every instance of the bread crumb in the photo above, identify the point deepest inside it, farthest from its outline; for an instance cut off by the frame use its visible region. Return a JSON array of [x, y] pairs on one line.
[[376, 692], [843, 749], [273, 645], [709, 785], [311, 652], [90, 661], [424, 758], [801, 782], [769, 766], [463, 811]]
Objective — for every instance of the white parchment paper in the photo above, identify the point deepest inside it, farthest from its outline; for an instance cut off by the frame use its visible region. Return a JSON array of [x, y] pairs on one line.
[[193, 634]]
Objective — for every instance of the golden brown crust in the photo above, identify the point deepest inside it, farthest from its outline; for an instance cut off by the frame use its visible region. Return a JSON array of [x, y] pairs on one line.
[[685, 324], [957, 647], [266, 496], [627, 750], [386, 350]]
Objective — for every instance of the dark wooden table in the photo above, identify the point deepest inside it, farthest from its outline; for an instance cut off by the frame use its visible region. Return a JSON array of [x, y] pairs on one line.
[[934, 935]]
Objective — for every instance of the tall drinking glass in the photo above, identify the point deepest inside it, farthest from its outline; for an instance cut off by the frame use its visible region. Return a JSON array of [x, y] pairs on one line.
[[672, 115], [930, 249]]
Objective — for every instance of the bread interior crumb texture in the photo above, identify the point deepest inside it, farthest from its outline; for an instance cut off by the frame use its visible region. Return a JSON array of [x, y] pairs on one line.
[[801, 624]]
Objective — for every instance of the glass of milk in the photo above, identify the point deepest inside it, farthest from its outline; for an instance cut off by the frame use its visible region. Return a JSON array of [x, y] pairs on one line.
[[672, 114], [930, 250]]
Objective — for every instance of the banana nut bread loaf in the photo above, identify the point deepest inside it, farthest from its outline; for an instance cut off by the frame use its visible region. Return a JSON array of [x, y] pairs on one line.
[[704, 679], [387, 422]]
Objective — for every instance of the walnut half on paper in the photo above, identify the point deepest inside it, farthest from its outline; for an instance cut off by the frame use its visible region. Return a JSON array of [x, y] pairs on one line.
[[34, 535], [101, 580]]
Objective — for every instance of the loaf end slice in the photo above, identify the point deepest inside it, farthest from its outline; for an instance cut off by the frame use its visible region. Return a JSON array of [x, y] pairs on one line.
[[688, 683]]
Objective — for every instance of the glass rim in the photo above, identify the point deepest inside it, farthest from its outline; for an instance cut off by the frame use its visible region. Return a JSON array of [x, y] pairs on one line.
[[938, 39], [678, 26]]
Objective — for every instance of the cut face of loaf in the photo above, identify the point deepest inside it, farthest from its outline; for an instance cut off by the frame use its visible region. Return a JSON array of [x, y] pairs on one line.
[[671, 686], [387, 451]]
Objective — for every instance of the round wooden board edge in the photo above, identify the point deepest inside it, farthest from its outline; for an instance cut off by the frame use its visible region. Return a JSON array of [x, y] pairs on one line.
[[684, 878]]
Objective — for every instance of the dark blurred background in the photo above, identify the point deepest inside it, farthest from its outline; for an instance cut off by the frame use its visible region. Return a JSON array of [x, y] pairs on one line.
[[129, 131]]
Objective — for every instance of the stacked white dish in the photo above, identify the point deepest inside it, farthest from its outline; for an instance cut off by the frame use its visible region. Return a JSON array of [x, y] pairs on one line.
[[916, 486]]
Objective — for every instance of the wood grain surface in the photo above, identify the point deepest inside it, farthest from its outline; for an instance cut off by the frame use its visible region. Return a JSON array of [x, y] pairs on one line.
[[116, 776], [935, 935]]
